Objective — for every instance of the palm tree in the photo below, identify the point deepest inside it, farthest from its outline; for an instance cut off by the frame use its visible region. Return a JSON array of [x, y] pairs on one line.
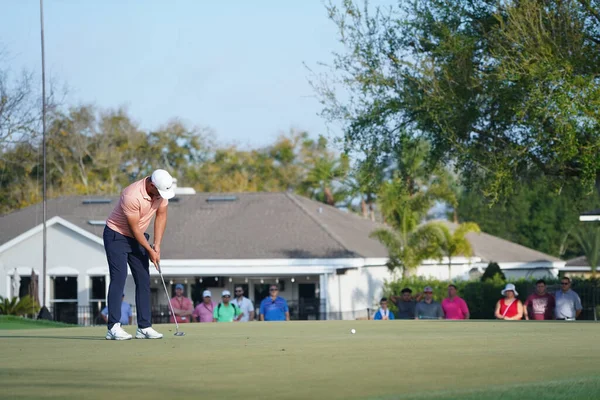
[[15, 306], [452, 244], [408, 243], [588, 238], [407, 249]]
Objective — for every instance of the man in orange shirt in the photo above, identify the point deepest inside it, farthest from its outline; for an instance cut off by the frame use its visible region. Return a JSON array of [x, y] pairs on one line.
[[125, 241]]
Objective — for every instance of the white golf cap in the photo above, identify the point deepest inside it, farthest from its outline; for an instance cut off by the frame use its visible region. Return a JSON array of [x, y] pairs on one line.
[[206, 293], [164, 183], [226, 293], [510, 286]]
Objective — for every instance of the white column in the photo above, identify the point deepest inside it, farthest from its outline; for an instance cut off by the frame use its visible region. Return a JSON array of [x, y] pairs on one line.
[[48, 289], [323, 294], [106, 284]]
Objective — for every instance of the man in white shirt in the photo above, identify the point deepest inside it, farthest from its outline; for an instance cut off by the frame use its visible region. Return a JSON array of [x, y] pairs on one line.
[[244, 304]]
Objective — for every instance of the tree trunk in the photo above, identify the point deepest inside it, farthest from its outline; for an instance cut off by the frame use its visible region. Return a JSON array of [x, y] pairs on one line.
[[329, 197], [364, 209], [450, 271]]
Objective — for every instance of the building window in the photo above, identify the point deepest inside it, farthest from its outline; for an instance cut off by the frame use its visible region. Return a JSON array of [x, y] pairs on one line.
[[64, 299], [97, 298]]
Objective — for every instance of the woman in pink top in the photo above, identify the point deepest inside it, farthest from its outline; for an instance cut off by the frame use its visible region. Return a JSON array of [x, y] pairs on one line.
[[454, 307]]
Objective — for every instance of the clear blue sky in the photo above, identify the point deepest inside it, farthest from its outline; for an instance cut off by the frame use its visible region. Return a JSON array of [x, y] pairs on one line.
[[235, 66]]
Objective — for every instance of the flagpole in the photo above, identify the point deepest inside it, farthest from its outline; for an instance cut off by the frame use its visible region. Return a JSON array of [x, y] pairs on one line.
[[44, 154]]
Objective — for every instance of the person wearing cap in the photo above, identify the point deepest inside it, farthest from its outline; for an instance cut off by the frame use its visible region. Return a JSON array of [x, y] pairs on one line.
[[182, 306], [227, 311], [204, 311], [453, 306], [126, 243], [126, 313], [509, 307], [384, 312], [568, 303], [274, 307], [244, 304], [428, 308]]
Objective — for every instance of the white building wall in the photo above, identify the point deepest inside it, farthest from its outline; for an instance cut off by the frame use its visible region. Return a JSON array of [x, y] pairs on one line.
[[67, 253], [356, 290], [441, 272]]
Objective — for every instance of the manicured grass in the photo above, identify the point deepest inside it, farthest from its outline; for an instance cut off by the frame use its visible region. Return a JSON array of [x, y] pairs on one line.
[[13, 322], [309, 360]]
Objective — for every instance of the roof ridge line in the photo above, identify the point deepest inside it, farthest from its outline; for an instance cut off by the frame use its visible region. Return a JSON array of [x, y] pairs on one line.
[[321, 224]]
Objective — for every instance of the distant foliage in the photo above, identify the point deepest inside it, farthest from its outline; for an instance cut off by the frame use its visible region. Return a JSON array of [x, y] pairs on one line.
[[15, 306], [492, 272], [481, 297]]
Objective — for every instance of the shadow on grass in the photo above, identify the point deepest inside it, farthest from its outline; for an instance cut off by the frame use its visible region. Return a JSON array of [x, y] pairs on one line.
[[51, 337]]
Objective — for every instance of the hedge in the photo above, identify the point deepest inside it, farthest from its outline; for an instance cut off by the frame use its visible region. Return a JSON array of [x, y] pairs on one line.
[[481, 297]]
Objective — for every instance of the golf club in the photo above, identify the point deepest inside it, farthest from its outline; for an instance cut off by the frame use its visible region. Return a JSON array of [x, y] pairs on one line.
[[177, 333]]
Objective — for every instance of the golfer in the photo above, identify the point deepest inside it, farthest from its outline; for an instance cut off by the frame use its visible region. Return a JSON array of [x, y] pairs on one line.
[[125, 241]]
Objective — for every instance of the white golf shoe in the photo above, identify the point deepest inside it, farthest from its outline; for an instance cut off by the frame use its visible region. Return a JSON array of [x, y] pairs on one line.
[[147, 333], [117, 333]]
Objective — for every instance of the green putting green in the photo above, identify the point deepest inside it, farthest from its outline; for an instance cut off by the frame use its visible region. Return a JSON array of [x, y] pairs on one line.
[[309, 360], [13, 322]]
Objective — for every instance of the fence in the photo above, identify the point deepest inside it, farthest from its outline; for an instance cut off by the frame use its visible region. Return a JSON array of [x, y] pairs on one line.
[[71, 313]]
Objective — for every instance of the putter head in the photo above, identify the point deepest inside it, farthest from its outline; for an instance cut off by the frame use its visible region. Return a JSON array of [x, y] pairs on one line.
[[179, 334]]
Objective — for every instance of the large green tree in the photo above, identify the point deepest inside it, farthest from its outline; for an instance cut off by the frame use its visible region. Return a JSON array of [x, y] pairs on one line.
[[506, 90], [534, 215]]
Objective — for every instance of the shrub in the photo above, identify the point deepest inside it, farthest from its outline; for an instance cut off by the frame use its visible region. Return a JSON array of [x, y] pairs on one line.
[[493, 270]]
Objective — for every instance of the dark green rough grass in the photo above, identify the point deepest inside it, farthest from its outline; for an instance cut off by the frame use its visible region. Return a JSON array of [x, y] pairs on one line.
[[309, 360], [13, 322]]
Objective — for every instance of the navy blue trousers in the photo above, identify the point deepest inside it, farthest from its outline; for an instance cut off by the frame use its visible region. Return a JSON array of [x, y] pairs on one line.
[[121, 250]]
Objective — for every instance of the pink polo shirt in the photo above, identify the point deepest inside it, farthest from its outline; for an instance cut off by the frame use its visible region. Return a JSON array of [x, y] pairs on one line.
[[182, 303], [455, 309], [204, 312], [134, 200]]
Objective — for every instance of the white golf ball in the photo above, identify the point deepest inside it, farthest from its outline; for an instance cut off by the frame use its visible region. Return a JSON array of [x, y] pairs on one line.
[[353, 331]]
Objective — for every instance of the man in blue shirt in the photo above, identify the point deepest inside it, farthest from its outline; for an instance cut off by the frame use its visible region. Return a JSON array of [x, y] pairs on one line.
[[126, 313], [274, 308]]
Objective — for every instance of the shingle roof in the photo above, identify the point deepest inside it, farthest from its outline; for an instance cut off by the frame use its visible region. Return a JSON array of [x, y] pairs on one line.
[[491, 248], [255, 226], [580, 261]]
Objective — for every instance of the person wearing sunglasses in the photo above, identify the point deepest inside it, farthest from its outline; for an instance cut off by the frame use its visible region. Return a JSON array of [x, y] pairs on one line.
[[568, 303], [244, 304], [274, 307], [226, 311]]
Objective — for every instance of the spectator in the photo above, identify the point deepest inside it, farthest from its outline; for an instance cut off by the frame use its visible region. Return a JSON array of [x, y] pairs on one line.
[[126, 313], [244, 304], [204, 311], [182, 306], [384, 312], [568, 303], [453, 306], [509, 308], [226, 311], [541, 302], [274, 308], [405, 303], [428, 308]]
